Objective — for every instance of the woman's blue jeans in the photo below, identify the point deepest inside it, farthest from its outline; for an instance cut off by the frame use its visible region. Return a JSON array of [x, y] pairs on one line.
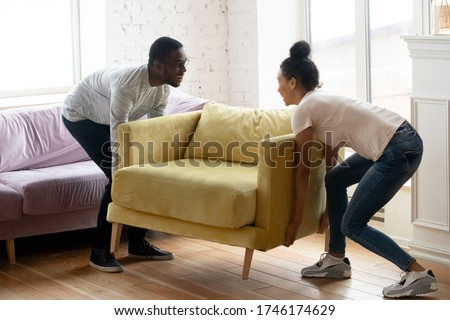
[[377, 182]]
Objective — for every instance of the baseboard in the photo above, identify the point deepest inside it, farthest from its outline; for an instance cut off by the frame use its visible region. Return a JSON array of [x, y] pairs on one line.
[[424, 252]]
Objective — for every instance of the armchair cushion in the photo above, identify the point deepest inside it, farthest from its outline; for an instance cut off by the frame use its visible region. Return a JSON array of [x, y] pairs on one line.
[[223, 197], [233, 133]]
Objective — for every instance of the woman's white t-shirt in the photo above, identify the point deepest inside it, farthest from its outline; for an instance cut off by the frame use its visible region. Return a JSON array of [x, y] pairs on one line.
[[343, 121]]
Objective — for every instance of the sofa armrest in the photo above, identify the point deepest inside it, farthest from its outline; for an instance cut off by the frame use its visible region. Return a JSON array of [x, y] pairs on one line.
[[156, 140], [276, 189]]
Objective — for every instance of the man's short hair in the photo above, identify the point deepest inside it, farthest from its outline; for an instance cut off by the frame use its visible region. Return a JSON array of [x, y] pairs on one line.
[[161, 48]]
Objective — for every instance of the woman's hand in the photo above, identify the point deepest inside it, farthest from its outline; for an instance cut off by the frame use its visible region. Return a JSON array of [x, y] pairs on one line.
[[324, 222], [303, 147], [291, 233]]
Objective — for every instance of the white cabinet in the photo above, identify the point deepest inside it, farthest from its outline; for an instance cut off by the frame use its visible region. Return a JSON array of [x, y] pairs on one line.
[[430, 104]]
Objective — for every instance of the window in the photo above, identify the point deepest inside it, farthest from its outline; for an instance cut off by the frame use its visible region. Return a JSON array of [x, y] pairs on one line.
[[390, 64], [38, 53], [358, 50], [333, 44], [47, 46]]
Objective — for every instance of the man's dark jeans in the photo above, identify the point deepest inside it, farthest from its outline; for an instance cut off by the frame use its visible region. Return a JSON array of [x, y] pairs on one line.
[[95, 139]]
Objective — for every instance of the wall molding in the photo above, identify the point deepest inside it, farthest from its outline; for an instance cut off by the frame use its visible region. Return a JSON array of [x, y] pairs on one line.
[[425, 106], [426, 252], [428, 47]]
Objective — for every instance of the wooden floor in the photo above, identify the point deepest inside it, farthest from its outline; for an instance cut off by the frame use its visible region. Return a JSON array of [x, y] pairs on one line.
[[56, 267]]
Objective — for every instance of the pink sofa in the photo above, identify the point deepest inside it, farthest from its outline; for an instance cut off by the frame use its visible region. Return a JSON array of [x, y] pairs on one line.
[[48, 183]]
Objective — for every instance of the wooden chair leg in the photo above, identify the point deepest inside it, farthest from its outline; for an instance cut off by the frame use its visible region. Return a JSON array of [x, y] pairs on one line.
[[247, 262], [115, 236], [327, 240], [10, 251]]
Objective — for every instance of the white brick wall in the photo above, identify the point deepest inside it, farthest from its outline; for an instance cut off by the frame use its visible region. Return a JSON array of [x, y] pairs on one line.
[[220, 39], [243, 52]]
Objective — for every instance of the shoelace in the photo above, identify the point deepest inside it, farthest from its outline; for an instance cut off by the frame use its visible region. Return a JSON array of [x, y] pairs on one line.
[[148, 248], [107, 255], [322, 257], [403, 277]]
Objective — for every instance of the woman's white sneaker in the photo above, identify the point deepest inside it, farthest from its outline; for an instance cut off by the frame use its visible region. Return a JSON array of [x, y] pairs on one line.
[[329, 267], [412, 283]]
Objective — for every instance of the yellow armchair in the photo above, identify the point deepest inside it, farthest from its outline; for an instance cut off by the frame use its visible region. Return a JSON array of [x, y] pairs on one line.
[[223, 174]]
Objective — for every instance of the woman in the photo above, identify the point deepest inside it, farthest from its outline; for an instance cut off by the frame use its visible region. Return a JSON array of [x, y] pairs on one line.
[[388, 151]]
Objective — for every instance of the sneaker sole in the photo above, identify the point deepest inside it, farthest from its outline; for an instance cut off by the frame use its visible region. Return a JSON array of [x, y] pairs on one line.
[[332, 274], [106, 269], [419, 288], [158, 258]]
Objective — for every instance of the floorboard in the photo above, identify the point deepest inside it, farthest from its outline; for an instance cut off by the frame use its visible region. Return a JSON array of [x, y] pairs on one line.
[[55, 267]]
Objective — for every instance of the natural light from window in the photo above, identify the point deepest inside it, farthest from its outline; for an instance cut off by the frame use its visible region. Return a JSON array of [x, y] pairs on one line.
[[335, 47], [36, 39], [333, 44], [391, 70]]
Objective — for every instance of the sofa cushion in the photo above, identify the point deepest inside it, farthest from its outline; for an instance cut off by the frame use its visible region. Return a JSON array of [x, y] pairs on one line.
[[180, 102], [36, 138], [11, 202], [224, 192], [59, 188], [232, 133]]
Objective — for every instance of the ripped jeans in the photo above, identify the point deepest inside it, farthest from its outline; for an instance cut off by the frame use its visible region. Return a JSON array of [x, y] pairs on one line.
[[377, 182]]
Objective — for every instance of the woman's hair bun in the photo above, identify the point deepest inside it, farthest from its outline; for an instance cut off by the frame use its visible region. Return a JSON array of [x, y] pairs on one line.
[[300, 50]]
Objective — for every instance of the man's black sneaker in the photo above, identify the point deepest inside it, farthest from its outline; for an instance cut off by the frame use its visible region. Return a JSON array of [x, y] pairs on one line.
[[145, 250], [103, 260]]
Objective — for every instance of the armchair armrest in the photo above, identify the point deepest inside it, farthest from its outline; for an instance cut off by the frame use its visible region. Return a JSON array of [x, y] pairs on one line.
[[156, 140], [276, 189]]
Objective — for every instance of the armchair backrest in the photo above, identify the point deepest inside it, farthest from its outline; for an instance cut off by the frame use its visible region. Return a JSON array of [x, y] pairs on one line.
[[233, 133], [156, 140]]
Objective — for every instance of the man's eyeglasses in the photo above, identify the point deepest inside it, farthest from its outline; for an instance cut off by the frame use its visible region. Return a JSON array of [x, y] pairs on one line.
[[177, 65]]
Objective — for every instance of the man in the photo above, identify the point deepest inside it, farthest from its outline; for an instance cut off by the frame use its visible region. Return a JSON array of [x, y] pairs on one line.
[[92, 112]]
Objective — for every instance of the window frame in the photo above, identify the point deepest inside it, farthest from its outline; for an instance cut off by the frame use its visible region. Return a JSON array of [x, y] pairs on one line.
[[421, 26], [7, 98]]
